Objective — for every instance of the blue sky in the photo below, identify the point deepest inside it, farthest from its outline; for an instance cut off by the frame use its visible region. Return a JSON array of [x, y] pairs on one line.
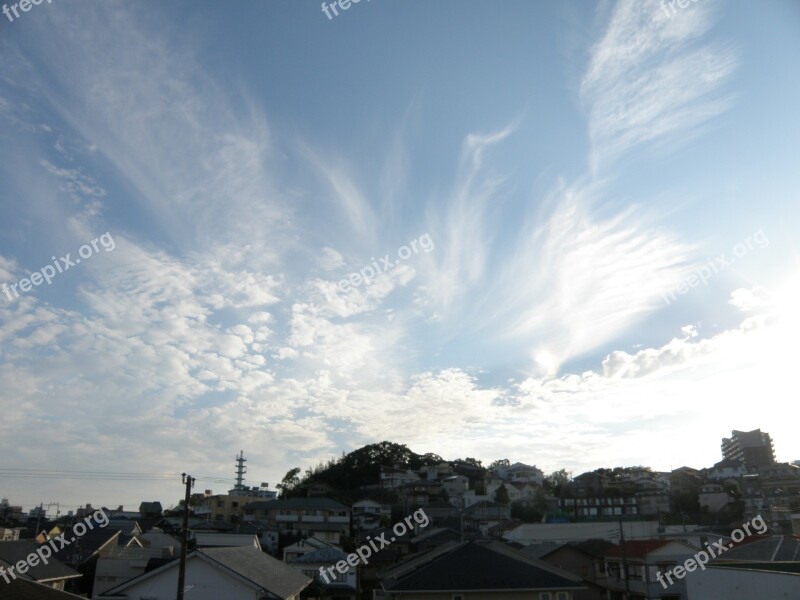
[[572, 164]]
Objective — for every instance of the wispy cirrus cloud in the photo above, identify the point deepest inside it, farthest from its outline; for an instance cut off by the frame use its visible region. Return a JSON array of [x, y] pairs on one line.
[[652, 78]]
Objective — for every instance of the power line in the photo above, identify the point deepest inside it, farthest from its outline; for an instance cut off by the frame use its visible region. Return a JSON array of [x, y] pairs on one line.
[[16, 473]]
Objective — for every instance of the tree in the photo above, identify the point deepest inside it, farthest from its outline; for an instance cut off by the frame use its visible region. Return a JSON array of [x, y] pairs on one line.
[[469, 461], [289, 481], [557, 479], [501, 495], [500, 463]]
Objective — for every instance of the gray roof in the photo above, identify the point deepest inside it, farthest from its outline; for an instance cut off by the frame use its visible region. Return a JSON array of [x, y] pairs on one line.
[[539, 550], [22, 589], [777, 548], [13, 552], [476, 567], [260, 568]]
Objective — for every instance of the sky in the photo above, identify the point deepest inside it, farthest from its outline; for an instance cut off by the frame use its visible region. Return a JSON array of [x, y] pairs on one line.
[[563, 233]]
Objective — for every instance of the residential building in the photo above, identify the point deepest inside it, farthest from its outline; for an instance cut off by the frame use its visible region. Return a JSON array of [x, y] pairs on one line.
[[392, 478], [335, 585], [652, 496], [123, 563], [323, 518], [229, 507], [490, 570], [242, 573], [583, 559], [304, 546], [514, 493], [751, 447], [9, 512], [55, 574], [713, 497], [455, 485], [8, 534], [368, 514], [522, 473], [685, 481], [759, 567], [529, 533], [726, 469], [419, 492], [484, 515], [436, 472], [644, 560], [151, 510]]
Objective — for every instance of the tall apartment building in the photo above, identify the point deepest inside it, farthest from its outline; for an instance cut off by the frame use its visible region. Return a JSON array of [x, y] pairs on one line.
[[751, 447]]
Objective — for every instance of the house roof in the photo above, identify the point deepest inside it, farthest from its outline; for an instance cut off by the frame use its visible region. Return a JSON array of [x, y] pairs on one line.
[[13, 552], [147, 507], [485, 504], [257, 567], [23, 589], [225, 540], [777, 548], [437, 532], [540, 550], [637, 548], [472, 566], [156, 539], [792, 568], [506, 525], [304, 504], [260, 568], [85, 546], [595, 548]]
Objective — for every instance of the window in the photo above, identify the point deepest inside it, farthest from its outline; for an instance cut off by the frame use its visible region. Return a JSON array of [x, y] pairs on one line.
[[235, 504], [545, 596], [562, 596], [457, 597], [220, 504]]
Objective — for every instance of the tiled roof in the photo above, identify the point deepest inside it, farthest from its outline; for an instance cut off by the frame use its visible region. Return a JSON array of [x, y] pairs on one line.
[[477, 566], [13, 552], [271, 574]]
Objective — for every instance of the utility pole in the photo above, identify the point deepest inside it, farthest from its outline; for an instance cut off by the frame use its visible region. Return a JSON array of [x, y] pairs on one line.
[[189, 482]]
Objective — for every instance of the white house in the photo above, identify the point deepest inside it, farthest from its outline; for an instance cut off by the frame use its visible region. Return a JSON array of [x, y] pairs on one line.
[[242, 573], [368, 514]]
